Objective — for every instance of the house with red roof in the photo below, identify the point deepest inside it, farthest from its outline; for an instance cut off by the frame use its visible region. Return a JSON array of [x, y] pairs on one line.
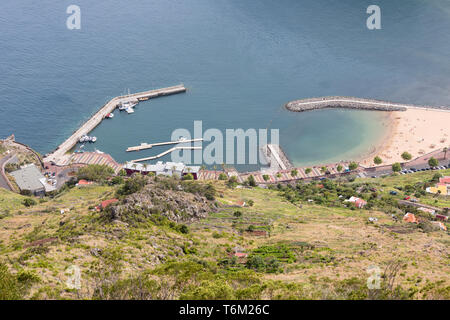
[[106, 203], [358, 202], [83, 183]]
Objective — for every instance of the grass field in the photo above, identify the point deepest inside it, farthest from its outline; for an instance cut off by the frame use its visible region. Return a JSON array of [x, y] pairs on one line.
[[330, 244]]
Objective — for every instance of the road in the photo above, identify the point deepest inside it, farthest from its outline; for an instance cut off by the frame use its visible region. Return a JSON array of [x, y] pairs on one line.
[[3, 179]]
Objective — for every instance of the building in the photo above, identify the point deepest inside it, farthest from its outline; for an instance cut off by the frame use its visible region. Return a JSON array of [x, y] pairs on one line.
[[83, 183], [411, 218], [160, 168], [427, 210], [442, 187], [106, 203], [29, 178], [359, 203]]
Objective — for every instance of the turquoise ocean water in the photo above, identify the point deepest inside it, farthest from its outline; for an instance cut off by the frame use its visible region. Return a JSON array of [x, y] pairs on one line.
[[241, 61]]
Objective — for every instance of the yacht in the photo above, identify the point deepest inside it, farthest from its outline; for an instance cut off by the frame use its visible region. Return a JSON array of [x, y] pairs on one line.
[[129, 110]]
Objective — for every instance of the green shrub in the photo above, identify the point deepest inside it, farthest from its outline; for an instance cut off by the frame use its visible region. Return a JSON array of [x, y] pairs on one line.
[[223, 176], [95, 172], [28, 202]]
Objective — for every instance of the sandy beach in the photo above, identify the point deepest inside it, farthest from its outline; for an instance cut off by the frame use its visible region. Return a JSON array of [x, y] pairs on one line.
[[417, 131]]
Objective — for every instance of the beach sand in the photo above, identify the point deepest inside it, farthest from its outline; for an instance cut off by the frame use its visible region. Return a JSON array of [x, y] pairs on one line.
[[417, 131]]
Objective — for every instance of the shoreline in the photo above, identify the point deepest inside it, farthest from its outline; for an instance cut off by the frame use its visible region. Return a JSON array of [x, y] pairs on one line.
[[417, 131]]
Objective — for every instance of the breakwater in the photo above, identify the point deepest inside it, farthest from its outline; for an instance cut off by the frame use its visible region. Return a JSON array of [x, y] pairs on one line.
[[61, 153], [351, 103]]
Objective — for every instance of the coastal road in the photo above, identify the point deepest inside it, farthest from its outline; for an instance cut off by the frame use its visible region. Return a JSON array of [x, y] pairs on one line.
[[3, 179]]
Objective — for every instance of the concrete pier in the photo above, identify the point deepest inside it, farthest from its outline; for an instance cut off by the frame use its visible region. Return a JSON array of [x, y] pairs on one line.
[[165, 152], [276, 157], [145, 146], [60, 154]]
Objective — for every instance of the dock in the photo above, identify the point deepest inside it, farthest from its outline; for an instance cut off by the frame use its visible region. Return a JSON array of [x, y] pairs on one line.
[[164, 153], [276, 157], [60, 154], [145, 146]]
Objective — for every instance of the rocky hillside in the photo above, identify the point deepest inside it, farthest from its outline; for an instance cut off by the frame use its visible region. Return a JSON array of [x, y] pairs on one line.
[[177, 200]]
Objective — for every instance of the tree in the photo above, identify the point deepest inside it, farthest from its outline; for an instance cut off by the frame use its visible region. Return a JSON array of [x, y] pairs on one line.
[[323, 169], [132, 185], [308, 170], [377, 160], [28, 202], [396, 167], [237, 214], [339, 168], [95, 172], [232, 181], [445, 152], [223, 176], [251, 181], [433, 162], [406, 156], [294, 173], [188, 176], [266, 177], [353, 166]]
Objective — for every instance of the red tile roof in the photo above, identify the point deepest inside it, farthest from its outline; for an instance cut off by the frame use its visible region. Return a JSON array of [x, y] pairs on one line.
[[106, 203]]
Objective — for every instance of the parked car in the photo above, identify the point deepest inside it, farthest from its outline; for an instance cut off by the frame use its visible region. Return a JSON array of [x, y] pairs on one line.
[[407, 198], [394, 193]]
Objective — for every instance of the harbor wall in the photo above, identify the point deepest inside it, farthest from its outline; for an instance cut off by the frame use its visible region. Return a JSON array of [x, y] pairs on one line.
[[351, 103]]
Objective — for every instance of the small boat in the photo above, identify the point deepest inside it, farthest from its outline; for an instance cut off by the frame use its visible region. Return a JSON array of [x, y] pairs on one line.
[[110, 115], [126, 105], [84, 139], [129, 110], [98, 151], [93, 139]]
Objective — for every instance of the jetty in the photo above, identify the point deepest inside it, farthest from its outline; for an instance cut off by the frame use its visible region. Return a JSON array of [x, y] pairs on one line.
[[144, 146], [164, 153], [276, 157], [60, 154], [352, 103]]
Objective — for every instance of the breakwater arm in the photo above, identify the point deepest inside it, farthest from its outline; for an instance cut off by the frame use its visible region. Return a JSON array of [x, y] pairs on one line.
[[349, 103], [60, 154]]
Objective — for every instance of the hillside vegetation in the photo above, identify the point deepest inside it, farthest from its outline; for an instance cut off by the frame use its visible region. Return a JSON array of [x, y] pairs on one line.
[[173, 239]]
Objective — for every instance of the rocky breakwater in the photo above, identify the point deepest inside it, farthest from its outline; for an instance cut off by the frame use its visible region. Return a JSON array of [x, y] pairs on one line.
[[345, 103]]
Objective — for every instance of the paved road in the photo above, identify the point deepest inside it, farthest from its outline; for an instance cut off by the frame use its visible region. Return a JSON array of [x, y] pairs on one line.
[[3, 179]]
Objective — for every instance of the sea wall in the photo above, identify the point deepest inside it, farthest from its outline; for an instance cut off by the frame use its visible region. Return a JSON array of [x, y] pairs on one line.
[[349, 103]]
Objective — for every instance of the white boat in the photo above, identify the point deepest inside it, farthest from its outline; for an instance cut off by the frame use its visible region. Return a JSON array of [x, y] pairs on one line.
[[129, 110], [127, 104], [84, 139], [110, 115], [93, 139]]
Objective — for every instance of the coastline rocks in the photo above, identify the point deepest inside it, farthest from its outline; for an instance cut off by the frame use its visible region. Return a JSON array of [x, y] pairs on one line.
[[345, 103]]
